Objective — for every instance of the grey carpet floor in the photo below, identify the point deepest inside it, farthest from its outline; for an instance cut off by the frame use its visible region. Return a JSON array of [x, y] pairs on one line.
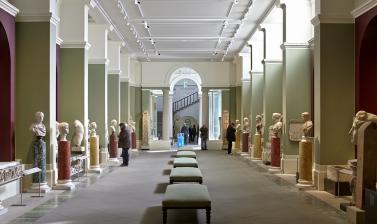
[[240, 195]]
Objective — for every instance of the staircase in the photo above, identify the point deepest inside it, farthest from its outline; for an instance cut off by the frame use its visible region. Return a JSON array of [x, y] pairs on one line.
[[185, 102]]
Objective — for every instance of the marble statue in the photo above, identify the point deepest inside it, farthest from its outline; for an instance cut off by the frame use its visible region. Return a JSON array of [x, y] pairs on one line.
[[277, 124], [38, 128], [63, 129], [78, 133], [307, 127], [113, 125], [132, 124], [238, 125], [259, 124], [361, 117], [92, 129], [246, 125]]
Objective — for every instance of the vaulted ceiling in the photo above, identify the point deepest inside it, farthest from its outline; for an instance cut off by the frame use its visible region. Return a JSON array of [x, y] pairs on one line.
[[209, 30]]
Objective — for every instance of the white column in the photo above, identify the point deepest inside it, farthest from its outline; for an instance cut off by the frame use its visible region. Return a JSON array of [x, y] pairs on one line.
[[204, 106], [165, 117], [170, 115], [200, 109]]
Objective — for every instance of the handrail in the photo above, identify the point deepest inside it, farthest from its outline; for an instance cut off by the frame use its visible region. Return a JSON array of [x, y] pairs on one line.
[[185, 102]]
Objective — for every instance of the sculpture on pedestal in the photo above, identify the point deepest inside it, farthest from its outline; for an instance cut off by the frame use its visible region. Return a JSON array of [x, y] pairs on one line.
[[39, 150], [78, 135], [275, 139], [146, 125], [94, 148], [257, 141], [113, 126], [245, 135], [132, 126], [305, 151], [246, 125], [64, 158], [225, 124], [92, 129], [360, 118], [113, 145]]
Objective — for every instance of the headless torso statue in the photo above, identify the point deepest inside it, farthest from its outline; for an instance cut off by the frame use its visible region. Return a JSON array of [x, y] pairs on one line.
[[39, 151], [113, 145], [257, 141], [275, 140], [238, 135], [245, 135]]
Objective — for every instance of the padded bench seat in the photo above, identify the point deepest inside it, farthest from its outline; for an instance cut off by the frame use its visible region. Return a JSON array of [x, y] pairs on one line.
[[186, 174], [188, 154], [185, 162], [186, 196]]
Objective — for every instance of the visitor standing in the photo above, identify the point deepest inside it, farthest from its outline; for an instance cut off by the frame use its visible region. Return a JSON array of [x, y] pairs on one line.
[[204, 137], [185, 131], [230, 136], [193, 133], [124, 142]]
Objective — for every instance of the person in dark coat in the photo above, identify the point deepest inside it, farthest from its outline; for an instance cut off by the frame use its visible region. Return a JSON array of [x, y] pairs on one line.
[[124, 142], [193, 133], [203, 137], [230, 136], [185, 131]]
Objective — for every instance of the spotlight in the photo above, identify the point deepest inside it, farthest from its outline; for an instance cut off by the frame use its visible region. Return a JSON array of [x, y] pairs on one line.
[[137, 2], [145, 25], [235, 2], [226, 23]]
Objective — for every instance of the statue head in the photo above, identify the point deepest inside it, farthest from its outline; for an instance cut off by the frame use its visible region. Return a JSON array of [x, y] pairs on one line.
[[113, 122], [258, 118], [39, 117], [63, 128], [276, 117], [305, 116]]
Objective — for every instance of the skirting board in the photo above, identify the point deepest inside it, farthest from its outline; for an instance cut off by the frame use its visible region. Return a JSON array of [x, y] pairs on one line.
[[289, 164], [159, 145]]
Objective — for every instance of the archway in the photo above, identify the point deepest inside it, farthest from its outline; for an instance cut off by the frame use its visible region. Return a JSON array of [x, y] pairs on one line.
[[367, 74], [6, 153], [186, 90]]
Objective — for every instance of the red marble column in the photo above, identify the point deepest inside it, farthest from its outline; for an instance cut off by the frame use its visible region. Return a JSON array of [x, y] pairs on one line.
[[64, 160], [113, 146], [133, 140], [245, 142], [275, 152]]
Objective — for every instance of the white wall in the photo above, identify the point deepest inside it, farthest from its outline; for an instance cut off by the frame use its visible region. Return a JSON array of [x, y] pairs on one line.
[[213, 74]]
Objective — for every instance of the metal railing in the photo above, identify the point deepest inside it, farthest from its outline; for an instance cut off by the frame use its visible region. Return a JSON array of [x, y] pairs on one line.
[[185, 102]]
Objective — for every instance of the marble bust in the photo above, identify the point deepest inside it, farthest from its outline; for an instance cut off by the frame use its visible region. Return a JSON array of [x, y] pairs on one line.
[[307, 127], [246, 125], [63, 128], [132, 125], [277, 124], [38, 128], [113, 125], [360, 118], [78, 133], [238, 125], [92, 129], [259, 124]]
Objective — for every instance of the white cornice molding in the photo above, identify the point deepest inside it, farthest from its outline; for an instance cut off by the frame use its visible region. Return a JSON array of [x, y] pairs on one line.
[[285, 46], [114, 72], [98, 61], [59, 41], [332, 19], [252, 73], [271, 61], [9, 8], [73, 44], [38, 17], [124, 79], [363, 8], [245, 79]]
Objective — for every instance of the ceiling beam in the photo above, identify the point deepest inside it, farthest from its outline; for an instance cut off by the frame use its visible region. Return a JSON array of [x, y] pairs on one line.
[[215, 38]]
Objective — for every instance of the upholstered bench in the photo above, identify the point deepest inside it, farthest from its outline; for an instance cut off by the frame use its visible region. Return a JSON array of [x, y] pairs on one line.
[[185, 162], [186, 196], [186, 174], [188, 154]]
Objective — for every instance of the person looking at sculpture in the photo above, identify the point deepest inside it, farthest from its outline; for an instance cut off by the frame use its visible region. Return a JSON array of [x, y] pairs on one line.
[[193, 133], [124, 143], [230, 136], [203, 137]]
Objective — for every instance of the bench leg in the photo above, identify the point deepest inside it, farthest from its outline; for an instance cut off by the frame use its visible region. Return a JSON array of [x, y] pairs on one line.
[[171, 182], [208, 215], [164, 215]]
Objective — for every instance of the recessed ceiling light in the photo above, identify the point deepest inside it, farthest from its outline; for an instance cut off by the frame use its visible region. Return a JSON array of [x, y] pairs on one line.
[[137, 2], [235, 2], [226, 23]]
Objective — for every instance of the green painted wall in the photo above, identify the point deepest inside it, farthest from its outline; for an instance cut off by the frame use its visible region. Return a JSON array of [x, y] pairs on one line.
[[246, 96], [132, 103], [35, 85], [124, 101], [113, 97], [233, 103], [97, 102], [256, 98], [74, 87], [272, 101], [334, 92], [238, 103], [225, 102], [296, 90], [138, 112]]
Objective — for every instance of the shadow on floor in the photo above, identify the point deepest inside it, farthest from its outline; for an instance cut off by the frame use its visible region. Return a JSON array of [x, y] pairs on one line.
[[170, 162], [161, 188], [153, 215], [173, 156], [166, 172]]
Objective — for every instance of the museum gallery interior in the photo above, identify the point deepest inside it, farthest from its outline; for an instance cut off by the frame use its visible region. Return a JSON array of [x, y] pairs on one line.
[[188, 111]]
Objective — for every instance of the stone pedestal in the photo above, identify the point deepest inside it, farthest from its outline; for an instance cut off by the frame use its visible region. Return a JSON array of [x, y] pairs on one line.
[[305, 162], [113, 147], [245, 142], [275, 152], [39, 151], [238, 140], [355, 215], [64, 167], [257, 147], [94, 155], [103, 155], [133, 140]]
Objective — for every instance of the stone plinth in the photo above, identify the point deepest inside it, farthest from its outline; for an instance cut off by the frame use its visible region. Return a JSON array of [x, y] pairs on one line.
[[238, 140], [257, 147], [113, 146], [245, 142], [39, 150], [133, 140], [64, 167], [305, 162], [275, 152], [94, 154]]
